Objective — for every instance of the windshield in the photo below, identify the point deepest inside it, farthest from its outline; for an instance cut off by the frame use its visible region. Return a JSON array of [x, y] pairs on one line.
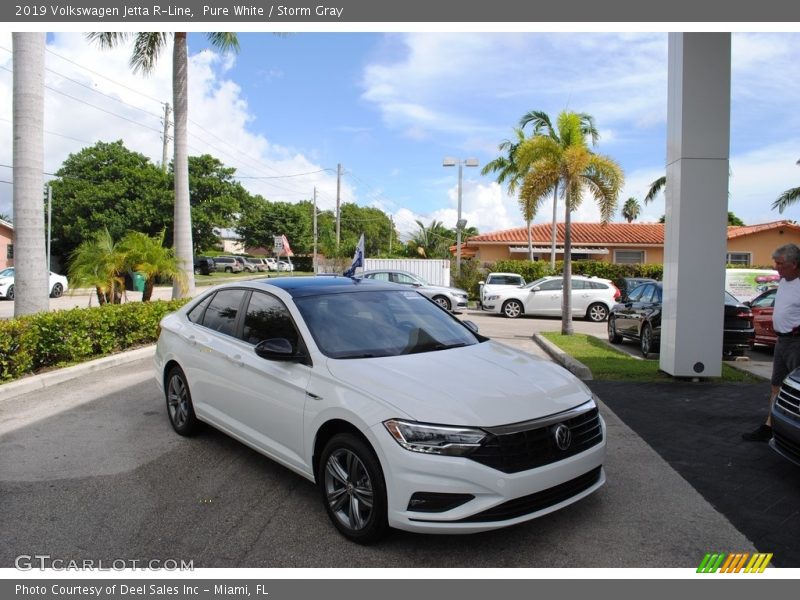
[[535, 283], [9, 272], [381, 323]]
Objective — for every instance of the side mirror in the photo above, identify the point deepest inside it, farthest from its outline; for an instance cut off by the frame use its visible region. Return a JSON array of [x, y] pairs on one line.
[[481, 283], [747, 303], [279, 349], [471, 325]]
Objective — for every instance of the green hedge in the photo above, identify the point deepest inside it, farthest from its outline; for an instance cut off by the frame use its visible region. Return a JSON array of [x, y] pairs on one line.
[[56, 339], [591, 268]]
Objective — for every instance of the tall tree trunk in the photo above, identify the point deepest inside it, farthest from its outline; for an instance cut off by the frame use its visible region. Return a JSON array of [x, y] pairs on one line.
[[183, 209], [555, 220], [530, 241], [31, 282], [566, 303]]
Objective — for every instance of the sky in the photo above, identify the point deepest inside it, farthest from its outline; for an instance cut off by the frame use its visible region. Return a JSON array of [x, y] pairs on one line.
[[390, 106]]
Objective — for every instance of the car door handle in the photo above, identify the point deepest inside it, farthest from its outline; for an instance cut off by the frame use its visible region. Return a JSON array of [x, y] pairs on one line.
[[235, 359]]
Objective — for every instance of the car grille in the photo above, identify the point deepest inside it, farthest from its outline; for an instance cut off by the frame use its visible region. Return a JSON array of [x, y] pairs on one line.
[[786, 446], [532, 503], [788, 399], [515, 451]]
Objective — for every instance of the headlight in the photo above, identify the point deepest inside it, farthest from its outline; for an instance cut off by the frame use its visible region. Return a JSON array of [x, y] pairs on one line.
[[493, 297], [434, 439]]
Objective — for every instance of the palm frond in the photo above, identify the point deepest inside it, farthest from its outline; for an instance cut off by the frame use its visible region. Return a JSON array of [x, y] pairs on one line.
[[147, 48], [225, 41], [786, 199], [655, 188]]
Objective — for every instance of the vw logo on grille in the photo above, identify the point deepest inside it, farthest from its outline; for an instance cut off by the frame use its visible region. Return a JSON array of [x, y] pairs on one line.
[[562, 436]]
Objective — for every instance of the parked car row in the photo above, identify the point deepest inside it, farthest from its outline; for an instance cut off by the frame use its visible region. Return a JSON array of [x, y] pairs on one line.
[[57, 283], [449, 298], [205, 265]]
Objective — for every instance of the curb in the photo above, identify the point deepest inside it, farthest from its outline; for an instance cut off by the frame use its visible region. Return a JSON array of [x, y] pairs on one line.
[[13, 389], [576, 367]]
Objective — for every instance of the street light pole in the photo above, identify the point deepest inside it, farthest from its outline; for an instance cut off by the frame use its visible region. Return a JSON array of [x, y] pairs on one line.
[[460, 223]]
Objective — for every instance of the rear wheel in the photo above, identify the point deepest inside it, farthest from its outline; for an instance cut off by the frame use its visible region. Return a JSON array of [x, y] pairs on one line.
[[57, 291], [353, 489], [597, 312], [613, 336], [512, 309], [10, 293]]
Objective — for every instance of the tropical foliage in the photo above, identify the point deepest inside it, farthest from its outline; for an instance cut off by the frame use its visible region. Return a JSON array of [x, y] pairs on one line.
[[631, 210], [147, 47], [564, 162], [787, 198]]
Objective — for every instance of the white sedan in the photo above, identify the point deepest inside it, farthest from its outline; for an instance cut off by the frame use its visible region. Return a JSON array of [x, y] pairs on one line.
[[402, 415], [592, 298], [58, 284]]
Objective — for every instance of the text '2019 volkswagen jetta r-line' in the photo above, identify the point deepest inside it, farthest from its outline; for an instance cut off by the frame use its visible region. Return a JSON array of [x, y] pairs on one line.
[[404, 416]]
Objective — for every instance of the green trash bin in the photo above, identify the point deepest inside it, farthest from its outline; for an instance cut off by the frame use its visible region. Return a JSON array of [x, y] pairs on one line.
[[138, 281]]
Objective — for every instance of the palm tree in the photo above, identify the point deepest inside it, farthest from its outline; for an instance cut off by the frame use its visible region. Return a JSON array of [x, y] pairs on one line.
[[655, 188], [100, 263], [146, 49], [631, 210], [30, 272], [788, 197], [148, 255], [508, 170], [566, 163], [542, 125]]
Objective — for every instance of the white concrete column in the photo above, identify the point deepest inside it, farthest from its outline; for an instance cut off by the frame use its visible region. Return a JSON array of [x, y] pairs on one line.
[[698, 142]]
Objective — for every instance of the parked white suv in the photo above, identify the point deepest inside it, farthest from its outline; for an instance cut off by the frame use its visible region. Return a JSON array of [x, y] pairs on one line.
[[592, 298], [499, 281]]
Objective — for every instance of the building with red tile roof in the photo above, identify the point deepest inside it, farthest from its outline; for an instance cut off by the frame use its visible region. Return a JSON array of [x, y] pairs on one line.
[[624, 242]]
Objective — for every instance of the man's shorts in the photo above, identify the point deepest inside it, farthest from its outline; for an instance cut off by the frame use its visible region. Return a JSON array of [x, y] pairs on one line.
[[786, 358]]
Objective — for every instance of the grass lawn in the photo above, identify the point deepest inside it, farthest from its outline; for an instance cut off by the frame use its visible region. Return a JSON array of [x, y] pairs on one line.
[[607, 363]]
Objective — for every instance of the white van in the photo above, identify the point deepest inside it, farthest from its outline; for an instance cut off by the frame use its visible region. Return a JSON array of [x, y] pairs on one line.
[[746, 284]]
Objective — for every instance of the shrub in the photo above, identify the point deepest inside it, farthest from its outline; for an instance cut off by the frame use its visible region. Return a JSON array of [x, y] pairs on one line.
[[56, 339], [591, 268]]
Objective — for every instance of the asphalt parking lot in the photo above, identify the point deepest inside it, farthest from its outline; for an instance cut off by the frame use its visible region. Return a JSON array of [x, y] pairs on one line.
[[90, 469]]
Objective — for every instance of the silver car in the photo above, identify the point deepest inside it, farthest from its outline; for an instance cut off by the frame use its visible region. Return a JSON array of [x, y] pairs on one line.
[[449, 298]]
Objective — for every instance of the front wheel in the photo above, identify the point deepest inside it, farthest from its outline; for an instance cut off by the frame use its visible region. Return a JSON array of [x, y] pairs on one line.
[[443, 302], [353, 489], [646, 340], [512, 309], [597, 312], [613, 336]]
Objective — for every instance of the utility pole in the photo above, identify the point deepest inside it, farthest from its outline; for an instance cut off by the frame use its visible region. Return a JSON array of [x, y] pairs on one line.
[[49, 221], [165, 137], [314, 259], [338, 197]]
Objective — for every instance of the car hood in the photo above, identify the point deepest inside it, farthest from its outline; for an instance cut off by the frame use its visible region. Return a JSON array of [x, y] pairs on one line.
[[484, 385]]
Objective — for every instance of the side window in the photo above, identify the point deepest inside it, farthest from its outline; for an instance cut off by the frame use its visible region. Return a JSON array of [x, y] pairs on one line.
[[552, 285], [765, 301], [266, 318], [596, 285], [196, 314], [379, 276], [404, 279], [647, 294], [222, 311], [636, 293], [580, 284]]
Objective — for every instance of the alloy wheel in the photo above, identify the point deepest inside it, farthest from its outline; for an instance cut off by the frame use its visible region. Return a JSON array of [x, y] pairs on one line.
[[348, 489]]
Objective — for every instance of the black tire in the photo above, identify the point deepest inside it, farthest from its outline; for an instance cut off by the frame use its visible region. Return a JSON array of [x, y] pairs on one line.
[[180, 409], [646, 341], [443, 302], [597, 312], [353, 489], [613, 336], [57, 291], [10, 293], [513, 309]]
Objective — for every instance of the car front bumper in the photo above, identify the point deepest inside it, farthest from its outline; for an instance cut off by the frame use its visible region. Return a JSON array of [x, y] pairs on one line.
[[492, 498]]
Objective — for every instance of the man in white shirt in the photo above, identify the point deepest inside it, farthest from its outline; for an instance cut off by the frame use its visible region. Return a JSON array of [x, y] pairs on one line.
[[786, 322]]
